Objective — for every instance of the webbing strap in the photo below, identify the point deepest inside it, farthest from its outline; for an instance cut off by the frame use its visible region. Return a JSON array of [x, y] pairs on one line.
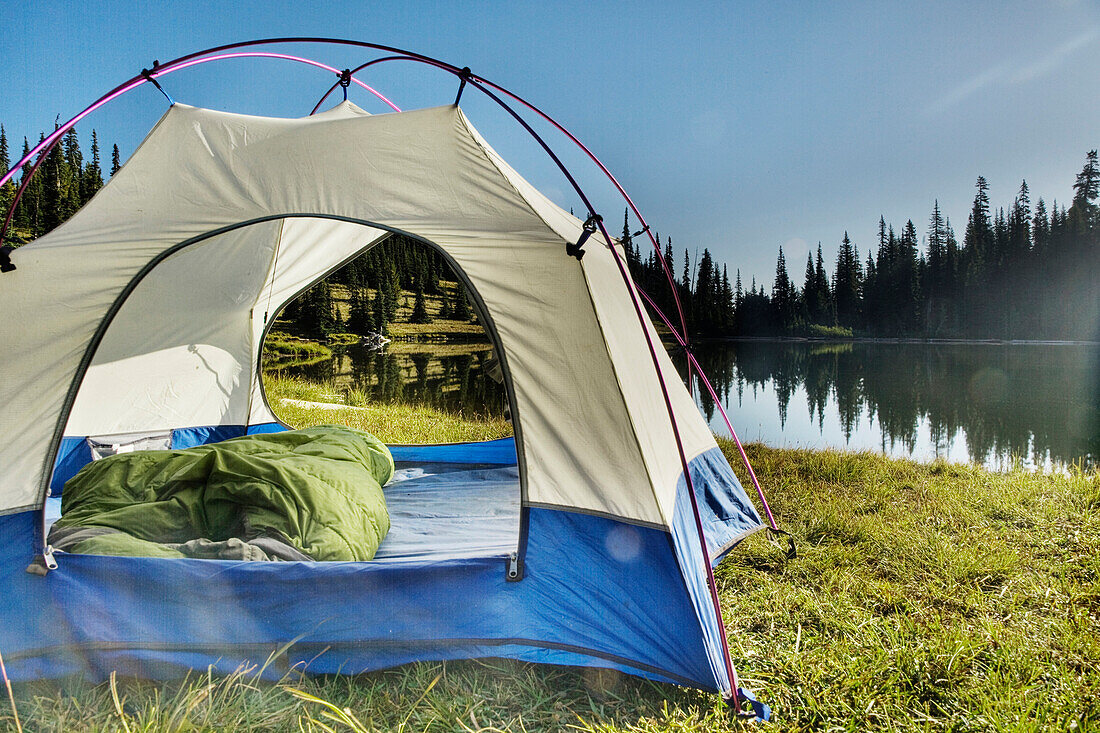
[[148, 75], [590, 224], [774, 532], [758, 712]]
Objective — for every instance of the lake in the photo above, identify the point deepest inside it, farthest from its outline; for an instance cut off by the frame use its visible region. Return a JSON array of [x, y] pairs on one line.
[[1037, 405], [991, 404]]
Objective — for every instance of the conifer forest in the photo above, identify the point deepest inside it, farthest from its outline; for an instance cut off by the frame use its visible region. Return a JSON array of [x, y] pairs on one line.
[[1030, 270]]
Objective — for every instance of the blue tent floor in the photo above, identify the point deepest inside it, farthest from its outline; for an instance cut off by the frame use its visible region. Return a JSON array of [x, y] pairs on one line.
[[440, 511]]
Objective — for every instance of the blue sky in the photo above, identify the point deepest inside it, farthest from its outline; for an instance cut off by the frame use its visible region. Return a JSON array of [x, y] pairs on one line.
[[735, 126]]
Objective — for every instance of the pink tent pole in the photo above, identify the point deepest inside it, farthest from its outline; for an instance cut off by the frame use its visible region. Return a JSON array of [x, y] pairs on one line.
[[355, 71], [168, 68], [722, 410], [43, 148]]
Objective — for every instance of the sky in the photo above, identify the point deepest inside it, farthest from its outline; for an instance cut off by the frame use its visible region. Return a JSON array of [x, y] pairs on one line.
[[739, 127]]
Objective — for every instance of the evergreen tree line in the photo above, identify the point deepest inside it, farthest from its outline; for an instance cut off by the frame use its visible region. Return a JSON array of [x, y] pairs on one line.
[[1028, 272], [1025, 272], [65, 181], [375, 282]]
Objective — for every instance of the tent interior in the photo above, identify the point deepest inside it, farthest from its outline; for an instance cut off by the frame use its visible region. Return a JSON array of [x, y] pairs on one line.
[[196, 377]]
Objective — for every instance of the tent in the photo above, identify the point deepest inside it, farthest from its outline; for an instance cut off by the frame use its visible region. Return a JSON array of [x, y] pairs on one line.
[[140, 321]]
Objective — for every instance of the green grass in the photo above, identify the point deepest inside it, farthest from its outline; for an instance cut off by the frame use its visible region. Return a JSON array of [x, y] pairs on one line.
[[283, 350], [279, 344], [393, 423], [924, 597]]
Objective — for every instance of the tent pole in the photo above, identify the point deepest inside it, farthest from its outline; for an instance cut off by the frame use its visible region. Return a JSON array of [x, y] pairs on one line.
[[717, 401]]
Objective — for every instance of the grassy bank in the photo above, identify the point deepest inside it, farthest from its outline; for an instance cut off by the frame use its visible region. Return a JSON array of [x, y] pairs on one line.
[[300, 403], [924, 597]]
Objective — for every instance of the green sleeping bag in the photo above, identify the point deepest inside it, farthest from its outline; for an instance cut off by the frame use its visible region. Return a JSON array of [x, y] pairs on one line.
[[313, 494]]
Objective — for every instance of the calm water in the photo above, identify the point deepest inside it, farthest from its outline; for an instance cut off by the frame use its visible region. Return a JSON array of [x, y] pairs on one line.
[[451, 377], [1038, 404], [992, 404]]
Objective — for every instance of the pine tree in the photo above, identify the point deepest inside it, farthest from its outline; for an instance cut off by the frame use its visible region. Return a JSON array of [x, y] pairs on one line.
[[461, 308], [847, 285], [980, 306], [907, 292], [53, 201], [1083, 209], [826, 315], [871, 305], [446, 312], [420, 308], [705, 300], [632, 254], [26, 211], [359, 314], [784, 299], [327, 321], [726, 303], [91, 179], [809, 291], [7, 191], [1019, 226], [937, 286], [5, 155], [1040, 230], [115, 163], [978, 239], [391, 284], [378, 312]]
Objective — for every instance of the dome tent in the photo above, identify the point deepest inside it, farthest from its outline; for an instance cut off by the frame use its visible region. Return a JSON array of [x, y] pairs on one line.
[[141, 319]]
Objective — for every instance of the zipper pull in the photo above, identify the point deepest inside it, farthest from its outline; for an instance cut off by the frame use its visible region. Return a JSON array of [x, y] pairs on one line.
[[43, 563], [515, 568]]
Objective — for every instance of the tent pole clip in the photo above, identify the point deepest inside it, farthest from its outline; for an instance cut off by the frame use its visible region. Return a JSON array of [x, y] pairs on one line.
[[463, 77], [575, 250], [515, 568], [345, 82], [147, 74]]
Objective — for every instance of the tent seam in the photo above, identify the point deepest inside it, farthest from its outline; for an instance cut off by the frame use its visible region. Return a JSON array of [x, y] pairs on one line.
[[634, 431], [256, 378], [603, 515], [588, 289]]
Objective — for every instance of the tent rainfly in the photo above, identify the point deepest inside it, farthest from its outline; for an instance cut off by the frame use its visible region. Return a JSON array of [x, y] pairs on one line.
[[141, 320]]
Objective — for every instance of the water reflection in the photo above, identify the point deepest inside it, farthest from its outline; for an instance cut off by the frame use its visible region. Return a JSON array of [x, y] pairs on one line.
[[984, 403], [445, 376]]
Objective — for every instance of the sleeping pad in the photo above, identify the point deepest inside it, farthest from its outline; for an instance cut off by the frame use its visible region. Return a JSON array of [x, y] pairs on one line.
[[312, 494]]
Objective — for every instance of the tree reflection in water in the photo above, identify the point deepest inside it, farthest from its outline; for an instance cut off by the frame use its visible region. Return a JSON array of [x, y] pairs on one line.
[[1038, 402], [455, 382]]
